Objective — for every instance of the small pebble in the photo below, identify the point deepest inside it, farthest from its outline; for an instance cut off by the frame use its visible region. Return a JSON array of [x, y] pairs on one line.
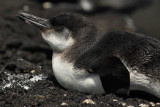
[[33, 71], [20, 59], [26, 8], [25, 87], [151, 103], [65, 95], [47, 5], [158, 103], [64, 104], [115, 100], [40, 67], [144, 105], [51, 88], [89, 101], [123, 104], [41, 96]]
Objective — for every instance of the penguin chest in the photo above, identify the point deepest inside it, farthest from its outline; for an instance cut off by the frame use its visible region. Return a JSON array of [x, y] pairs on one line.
[[75, 79]]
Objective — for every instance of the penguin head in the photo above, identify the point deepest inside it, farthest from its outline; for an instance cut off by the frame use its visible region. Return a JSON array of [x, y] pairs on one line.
[[60, 32]]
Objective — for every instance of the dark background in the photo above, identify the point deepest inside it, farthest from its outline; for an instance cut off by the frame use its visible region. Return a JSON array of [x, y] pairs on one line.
[[148, 19]]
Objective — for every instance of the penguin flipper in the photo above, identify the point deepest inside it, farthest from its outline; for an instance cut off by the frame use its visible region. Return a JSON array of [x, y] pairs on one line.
[[114, 76]]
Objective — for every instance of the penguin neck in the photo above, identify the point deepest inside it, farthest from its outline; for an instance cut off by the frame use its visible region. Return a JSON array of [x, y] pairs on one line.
[[84, 42]]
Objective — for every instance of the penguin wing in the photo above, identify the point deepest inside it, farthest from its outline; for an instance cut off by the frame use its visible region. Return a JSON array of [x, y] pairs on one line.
[[114, 76], [103, 59]]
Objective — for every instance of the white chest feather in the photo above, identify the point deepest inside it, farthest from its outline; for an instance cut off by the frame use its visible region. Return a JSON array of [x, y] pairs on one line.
[[75, 79]]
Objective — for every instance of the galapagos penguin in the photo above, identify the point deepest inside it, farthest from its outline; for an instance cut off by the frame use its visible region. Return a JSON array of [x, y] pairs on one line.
[[91, 61]]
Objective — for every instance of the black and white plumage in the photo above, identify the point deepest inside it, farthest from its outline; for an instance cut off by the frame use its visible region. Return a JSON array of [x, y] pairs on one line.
[[89, 61]]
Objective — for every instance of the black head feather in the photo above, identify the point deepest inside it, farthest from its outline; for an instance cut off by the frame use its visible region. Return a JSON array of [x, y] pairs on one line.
[[71, 21]]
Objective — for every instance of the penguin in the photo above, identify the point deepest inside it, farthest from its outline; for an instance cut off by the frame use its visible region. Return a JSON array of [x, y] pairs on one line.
[[95, 62]]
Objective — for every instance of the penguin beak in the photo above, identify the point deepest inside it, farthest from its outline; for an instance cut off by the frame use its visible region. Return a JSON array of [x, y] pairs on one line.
[[38, 22]]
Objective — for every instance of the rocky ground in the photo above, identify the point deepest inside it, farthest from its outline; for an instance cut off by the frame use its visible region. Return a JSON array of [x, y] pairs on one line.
[[26, 77]]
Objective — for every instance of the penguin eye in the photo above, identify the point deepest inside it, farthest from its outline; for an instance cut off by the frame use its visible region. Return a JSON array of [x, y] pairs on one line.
[[59, 28]]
